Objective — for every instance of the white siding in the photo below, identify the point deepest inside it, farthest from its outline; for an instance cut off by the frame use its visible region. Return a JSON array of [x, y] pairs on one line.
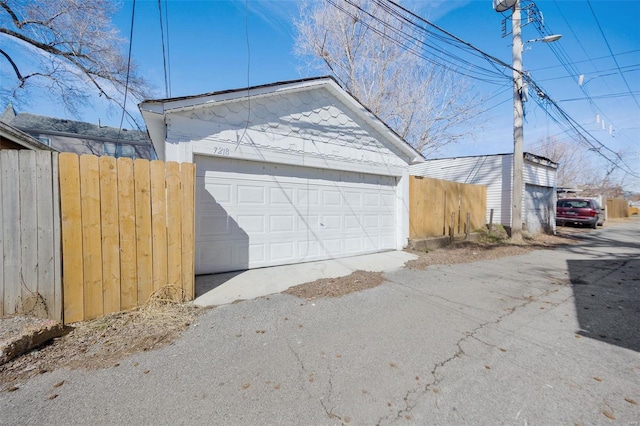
[[308, 128]]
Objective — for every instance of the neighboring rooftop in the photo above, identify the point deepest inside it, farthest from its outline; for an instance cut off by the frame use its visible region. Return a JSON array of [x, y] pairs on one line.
[[32, 123]]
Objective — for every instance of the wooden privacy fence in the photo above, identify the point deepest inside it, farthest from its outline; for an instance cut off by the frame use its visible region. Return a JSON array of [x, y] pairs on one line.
[[617, 207], [438, 207], [30, 274], [127, 231]]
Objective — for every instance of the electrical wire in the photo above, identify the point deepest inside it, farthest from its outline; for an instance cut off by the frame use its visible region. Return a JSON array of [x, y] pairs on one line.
[[586, 60], [126, 84], [164, 54], [166, 19], [246, 34], [412, 43], [563, 58], [611, 52]]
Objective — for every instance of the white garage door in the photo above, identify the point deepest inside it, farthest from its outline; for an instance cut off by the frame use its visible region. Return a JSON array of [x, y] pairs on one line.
[[251, 214], [538, 208]]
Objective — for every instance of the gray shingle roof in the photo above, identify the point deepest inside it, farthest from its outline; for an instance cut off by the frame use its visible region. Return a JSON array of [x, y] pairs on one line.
[[31, 123]]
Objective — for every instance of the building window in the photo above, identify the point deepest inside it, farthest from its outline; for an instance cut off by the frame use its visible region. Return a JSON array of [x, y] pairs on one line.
[[44, 140], [127, 151], [109, 149], [118, 150]]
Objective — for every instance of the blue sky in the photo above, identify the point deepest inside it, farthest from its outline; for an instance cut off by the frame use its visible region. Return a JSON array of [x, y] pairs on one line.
[[218, 45]]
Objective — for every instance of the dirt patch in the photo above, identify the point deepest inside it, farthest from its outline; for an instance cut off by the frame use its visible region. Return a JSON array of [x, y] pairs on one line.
[[337, 287], [105, 341], [488, 247]]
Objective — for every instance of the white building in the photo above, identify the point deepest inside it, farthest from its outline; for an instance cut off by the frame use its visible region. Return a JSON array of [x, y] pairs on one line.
[[285, 173], [496, 172]]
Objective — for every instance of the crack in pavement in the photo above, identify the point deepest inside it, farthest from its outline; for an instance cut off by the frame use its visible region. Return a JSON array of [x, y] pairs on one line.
[[301, 375], [457, 354]]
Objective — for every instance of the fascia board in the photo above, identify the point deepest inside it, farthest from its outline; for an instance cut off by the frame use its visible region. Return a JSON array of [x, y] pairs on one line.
[[156, 128]]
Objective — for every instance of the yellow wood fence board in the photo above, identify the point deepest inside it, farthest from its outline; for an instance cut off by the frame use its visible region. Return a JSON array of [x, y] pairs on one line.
[[110, 234], [143, 229], [127, 226], [159, 223], [71, 215], [174, 225], [187, 179], [432, 202], [91, 236]]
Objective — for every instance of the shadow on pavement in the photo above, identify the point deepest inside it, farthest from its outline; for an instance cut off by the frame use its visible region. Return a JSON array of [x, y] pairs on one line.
[[607, 297]]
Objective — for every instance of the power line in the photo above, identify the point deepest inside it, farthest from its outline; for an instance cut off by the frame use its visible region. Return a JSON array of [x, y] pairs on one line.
[[126, 84], [607, 96], [611, 52], [402, 14], [569, 66], [412, 43], [164, 54]]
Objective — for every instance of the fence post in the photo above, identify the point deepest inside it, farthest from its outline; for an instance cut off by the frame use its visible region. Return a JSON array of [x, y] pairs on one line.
[[491, 221], [452, 227], [467, 230]]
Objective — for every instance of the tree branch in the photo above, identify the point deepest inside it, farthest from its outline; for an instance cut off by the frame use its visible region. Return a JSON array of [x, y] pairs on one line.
[[15, 67]]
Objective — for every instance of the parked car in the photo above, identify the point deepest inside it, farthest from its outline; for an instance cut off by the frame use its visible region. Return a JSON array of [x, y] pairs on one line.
[[582, 211]]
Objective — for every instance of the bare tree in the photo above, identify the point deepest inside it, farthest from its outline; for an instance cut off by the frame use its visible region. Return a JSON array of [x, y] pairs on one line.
[[577, 170], [428, 105], [67, 48], [574, 168]]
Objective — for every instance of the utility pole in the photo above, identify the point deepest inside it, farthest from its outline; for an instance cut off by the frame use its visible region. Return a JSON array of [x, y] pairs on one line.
[[518, 127], [517, 187]]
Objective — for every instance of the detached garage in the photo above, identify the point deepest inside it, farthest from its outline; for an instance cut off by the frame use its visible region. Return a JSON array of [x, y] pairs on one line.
[[288, 172], [496, 172]]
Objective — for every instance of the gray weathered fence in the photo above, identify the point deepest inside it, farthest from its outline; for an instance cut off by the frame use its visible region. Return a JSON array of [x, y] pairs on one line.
[[30, 279]]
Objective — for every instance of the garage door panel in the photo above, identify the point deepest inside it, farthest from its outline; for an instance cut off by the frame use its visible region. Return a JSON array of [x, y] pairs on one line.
[[353, 199], [308, 249], [353, 245], [251, 194], [331, 198], [211, 225], [331, 222], [257, 253], [371, 221], [252, 214], [387, 200], [281, 195], [538, 207], [387, 221], [331, 246], [308, 197], [352, 222], [371, 200], [311, 223], [386, 241], [252, 223], [282, 251], [281, 223]]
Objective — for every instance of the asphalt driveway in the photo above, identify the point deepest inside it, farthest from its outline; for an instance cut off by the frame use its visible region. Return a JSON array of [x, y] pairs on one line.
[[549, 337]]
